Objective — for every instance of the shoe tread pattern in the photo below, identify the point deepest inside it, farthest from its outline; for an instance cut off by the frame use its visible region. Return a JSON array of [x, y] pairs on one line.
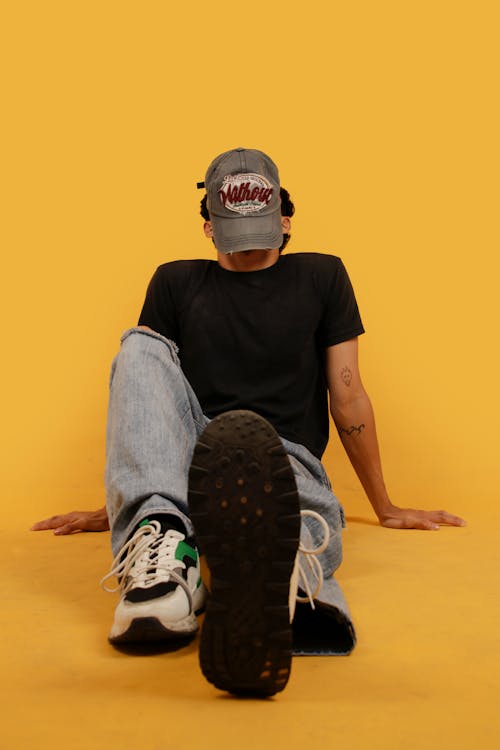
[[245, 509]]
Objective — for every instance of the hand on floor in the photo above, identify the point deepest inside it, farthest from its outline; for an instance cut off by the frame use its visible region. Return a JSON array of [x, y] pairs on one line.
[[77, 520], [409, 518]]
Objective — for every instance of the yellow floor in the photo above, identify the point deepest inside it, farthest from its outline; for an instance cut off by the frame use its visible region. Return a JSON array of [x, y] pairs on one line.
[[424, 674]]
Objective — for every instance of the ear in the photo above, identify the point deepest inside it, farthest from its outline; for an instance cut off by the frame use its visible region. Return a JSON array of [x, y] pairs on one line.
[[207, 228], [285, 224]]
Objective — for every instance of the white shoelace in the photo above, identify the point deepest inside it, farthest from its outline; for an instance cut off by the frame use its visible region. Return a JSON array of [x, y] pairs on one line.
[[148, 558], [309, 557]]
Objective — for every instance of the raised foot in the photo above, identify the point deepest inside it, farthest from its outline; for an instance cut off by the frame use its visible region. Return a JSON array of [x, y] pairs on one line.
[[245, 511]]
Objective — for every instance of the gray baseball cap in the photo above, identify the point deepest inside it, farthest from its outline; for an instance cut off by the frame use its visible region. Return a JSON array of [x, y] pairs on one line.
[[243, 200]]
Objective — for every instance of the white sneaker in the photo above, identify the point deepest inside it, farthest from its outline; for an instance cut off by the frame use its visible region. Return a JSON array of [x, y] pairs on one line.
[[159, 580]]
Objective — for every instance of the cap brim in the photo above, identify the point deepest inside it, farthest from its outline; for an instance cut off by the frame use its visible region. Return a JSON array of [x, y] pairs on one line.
[[234, 235]]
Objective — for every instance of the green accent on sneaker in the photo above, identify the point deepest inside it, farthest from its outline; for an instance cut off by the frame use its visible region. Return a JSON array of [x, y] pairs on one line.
[[185, 549], [145, 522]]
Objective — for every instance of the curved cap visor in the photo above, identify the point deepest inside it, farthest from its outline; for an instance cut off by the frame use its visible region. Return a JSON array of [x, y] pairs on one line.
[[238, 233]]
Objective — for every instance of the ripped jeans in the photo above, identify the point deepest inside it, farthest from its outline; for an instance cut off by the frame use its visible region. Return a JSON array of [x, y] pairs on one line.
[[154, 421]]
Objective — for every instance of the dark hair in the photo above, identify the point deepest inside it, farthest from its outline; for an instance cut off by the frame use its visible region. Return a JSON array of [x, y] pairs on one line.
[[287, 209]]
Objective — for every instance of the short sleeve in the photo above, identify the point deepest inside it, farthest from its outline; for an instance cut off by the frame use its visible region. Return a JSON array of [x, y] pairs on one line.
[[341, 320], [158, 311]]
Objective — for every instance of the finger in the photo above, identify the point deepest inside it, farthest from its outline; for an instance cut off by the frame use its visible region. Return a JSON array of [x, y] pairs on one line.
[[411, 522], [67, 528], [426, 524], [48, 523], [39, 526], [442, 516]]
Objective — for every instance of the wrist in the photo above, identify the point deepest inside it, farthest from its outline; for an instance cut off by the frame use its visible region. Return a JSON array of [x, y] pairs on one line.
[[383, 507]]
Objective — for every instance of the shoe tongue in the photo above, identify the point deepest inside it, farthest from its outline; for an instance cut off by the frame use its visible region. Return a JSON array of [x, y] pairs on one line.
[[173, 533], [165, 522]]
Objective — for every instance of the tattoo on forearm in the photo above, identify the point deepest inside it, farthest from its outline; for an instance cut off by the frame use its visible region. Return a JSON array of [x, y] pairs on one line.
[[346, 375], [352, 429]]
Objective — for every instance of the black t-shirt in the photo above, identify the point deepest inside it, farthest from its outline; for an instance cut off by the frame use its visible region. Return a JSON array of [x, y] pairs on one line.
[[256, 340]]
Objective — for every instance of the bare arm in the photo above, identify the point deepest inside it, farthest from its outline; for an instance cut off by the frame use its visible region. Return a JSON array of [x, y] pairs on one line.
[[352, 413]]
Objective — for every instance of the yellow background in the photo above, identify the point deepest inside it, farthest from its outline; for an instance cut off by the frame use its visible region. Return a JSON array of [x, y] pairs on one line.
[[383, 119]]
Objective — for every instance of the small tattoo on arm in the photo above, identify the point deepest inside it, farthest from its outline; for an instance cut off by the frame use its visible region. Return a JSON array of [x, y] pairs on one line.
[[346, 376], [352, 429]]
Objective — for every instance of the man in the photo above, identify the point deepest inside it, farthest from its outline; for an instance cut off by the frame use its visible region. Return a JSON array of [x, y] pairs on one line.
[[224, 382]]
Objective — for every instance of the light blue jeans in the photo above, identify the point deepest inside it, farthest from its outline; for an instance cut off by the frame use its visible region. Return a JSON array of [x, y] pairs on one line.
[[154, 421]]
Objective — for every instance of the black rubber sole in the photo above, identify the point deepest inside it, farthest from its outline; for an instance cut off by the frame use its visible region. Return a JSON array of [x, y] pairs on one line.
[[146, 635], [143, 629], [245, 509]]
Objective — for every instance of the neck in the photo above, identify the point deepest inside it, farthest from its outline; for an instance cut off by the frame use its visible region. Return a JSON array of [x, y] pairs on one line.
[[248, 260]]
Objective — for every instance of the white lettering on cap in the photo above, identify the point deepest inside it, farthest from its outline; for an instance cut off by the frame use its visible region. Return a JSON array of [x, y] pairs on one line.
[[245, 193]]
